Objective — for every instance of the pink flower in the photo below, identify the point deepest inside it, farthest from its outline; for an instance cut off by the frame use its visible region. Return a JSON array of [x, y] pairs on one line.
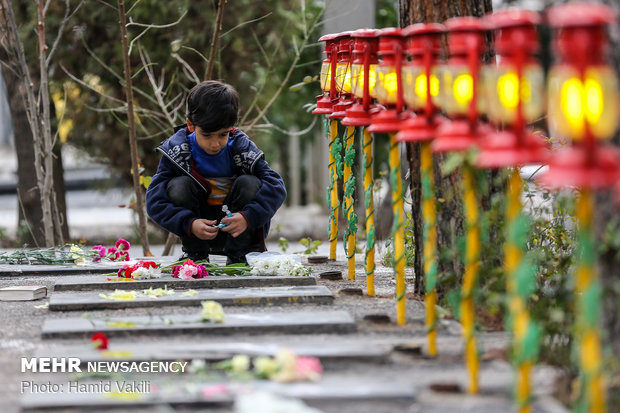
[[189, 270], [121, 256], [309, 368], [214, 390], [122, 244], [98, 252]]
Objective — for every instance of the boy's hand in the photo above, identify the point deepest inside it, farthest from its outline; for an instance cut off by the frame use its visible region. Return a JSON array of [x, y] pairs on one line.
[[204, 229], [237, 226]]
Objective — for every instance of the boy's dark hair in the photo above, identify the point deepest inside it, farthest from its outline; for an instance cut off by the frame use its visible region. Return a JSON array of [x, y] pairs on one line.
[[213, 105]]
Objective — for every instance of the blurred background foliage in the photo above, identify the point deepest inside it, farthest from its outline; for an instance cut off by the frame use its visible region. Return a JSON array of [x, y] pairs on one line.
[[259, 42]]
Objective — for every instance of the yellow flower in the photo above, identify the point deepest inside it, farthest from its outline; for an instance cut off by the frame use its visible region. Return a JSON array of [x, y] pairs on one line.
[[120, 295], [266, 367], [240, 363], [287, 360], [77, 254], [158, 292], [212, 311]]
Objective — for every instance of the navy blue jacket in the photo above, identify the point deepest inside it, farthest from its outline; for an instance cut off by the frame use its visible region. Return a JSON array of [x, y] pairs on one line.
[[177, 160]]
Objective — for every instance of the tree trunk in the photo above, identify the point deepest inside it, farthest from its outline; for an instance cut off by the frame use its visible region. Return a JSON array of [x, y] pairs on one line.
[[30, 215], [447, 190], [34, 144]]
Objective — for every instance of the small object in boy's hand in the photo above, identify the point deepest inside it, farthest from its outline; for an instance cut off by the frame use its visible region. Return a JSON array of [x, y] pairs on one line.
[[228, 214], [226, 210]]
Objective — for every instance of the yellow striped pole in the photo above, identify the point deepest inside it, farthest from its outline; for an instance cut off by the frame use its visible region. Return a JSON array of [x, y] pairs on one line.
[[349, 190], [370, 213], [472, 264], [429, 215], [588, 293], [519, 315], [332, 191], [398, 230]]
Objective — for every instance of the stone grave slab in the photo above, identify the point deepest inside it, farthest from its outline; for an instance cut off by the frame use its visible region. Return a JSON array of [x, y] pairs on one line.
[[91, 300], [294, 322], [47, 270], [103, 267], [336, 349], [328, 390], [97, 282]]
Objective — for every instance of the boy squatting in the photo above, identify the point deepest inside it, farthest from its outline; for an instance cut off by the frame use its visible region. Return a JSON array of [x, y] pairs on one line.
[[207, 164]]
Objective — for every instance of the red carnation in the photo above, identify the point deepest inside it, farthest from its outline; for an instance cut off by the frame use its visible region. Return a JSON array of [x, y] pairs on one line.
[[99, 340]]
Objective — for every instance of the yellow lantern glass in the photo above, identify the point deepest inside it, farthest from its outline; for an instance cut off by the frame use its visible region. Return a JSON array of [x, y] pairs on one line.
[[343, 77], [326, 74], [357, 80], [504, 91], [573, 102], [387, 84], [414, 92], [456, 86]]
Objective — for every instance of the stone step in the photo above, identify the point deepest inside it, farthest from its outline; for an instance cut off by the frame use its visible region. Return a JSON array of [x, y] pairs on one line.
[[318, 294], [86, 283], [295, 322], [329, 390], [336, 349]]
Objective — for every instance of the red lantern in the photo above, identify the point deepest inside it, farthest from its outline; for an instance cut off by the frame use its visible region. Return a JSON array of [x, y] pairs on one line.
[[459, 86], [363, 77], [325, 101], [514, 92], [389, 88], [421, 81], [343, 75], [582, 98]]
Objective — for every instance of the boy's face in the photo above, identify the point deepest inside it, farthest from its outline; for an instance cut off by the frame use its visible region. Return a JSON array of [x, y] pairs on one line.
[[211, 142]]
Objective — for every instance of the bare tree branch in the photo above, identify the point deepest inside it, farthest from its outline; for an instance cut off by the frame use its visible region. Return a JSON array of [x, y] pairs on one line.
[[133, 144], [246, 23], [215, 38]]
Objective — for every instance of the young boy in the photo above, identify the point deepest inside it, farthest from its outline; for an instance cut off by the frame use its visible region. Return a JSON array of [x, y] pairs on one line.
[[205, 165]]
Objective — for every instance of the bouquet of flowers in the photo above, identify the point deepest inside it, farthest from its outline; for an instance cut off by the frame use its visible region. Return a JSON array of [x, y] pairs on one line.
[[67, 254], [284, 367], [278, 265], [141, 271], [189, 270], [120, 251]]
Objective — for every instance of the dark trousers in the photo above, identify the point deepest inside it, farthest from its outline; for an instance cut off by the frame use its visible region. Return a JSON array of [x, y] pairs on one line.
[[185, 192]]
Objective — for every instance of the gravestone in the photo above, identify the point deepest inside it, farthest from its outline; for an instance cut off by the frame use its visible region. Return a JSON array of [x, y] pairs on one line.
[[294, 322], [85, 283], [66, 301]]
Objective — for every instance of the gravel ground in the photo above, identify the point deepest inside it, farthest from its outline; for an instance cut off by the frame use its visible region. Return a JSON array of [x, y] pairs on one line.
[[21, 326]]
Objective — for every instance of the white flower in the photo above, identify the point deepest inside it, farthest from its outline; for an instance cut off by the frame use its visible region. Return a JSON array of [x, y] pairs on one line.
[[212, 311], [197, 366]]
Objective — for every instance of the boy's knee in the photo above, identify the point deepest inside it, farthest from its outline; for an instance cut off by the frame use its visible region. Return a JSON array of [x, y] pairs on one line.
[[246, 187], [181, 191]]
